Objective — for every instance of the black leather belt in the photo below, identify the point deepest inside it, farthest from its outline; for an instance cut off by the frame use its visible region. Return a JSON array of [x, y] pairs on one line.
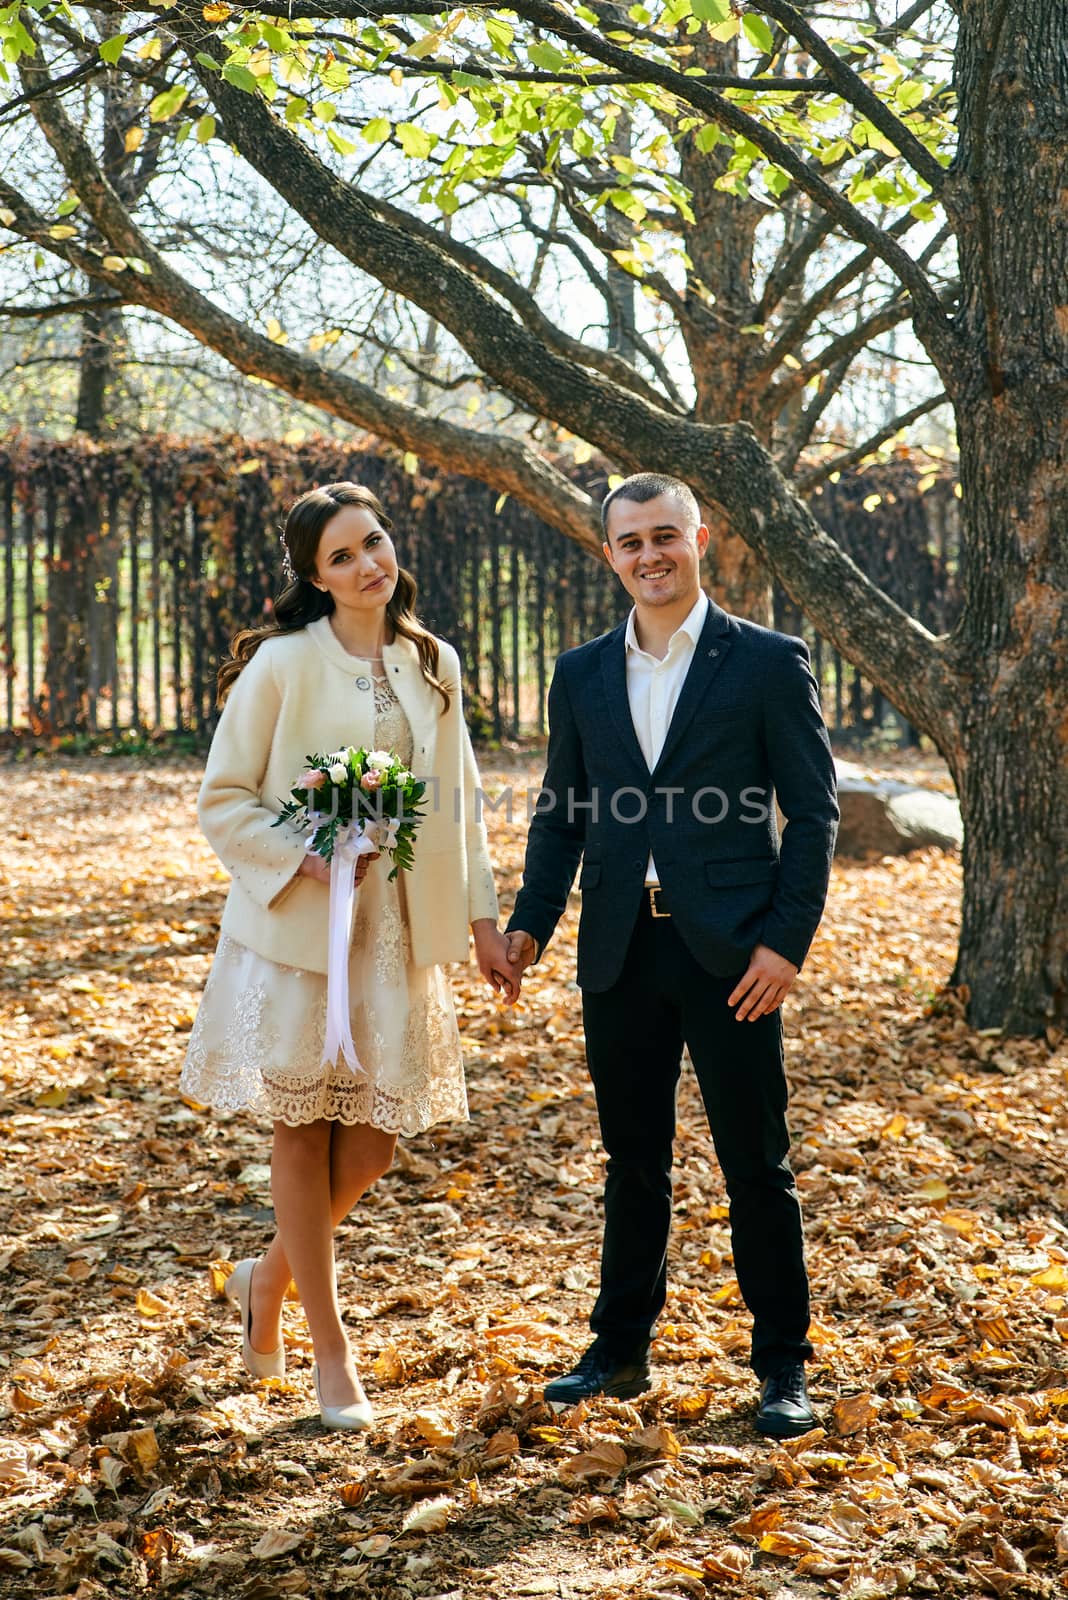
[[654, 891]]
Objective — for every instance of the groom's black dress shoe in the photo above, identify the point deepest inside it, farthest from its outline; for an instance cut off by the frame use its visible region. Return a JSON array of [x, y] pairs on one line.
[[600, 1372], [785, 1411]]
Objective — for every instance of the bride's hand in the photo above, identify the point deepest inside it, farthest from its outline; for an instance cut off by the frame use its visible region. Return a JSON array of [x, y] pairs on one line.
[[362, 865], [314, 866], [491, 948]]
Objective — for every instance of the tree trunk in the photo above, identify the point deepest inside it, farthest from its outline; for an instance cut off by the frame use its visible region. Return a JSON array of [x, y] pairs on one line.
[[1011, 760], [719, 301], [101, 332], [622, 318]]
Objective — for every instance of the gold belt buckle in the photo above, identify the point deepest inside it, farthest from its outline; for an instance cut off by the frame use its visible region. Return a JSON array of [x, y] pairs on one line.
[[654, 890]]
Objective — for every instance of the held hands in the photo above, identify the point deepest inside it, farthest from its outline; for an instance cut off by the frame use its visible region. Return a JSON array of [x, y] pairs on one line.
[[764, 985], [314, 866], [492, 950]]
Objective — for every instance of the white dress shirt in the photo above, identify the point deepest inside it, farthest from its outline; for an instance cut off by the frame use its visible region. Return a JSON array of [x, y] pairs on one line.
[[653, 688]]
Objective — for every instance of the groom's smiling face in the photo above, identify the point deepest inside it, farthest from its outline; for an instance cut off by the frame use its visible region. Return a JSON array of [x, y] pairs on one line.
[[655, 547]]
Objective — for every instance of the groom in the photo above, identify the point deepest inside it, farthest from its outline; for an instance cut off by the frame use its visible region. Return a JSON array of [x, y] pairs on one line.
[[669, 739]]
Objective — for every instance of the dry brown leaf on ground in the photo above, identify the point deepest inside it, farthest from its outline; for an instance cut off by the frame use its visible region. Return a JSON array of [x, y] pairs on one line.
[[137, 1454]]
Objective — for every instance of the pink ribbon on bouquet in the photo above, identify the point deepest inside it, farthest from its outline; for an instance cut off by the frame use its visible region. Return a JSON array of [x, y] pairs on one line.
[[353, 840]]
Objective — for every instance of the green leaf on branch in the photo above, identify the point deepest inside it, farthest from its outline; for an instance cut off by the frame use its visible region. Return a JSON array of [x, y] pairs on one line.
[[335, 76], [500, 34], [546, 56], [758, 33], [909, 94], [168, 104], [241, 77], [711, 10], [276, 37], [629, 204], [415, 142], [112, 48]]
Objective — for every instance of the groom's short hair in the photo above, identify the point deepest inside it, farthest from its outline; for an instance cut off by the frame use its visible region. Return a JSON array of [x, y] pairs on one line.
[[642, 486]]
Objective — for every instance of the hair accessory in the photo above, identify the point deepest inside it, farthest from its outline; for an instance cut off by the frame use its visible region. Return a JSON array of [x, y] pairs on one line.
[[288, 569]]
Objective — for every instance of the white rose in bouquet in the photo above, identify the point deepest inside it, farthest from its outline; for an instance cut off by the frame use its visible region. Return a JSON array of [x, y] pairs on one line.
[[339, 771]]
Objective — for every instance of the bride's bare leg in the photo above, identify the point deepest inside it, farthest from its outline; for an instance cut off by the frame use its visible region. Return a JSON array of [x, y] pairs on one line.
[[357, 1156]]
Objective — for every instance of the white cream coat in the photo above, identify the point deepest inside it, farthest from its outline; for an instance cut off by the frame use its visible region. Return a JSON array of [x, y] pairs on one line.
[[302, 694]]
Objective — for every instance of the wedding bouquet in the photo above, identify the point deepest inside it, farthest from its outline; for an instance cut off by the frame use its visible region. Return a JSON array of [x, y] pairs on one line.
[[370, 792], [351, 803]]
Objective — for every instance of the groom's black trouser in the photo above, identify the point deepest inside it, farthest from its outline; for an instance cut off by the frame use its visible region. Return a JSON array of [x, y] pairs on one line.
[[635, 1032]]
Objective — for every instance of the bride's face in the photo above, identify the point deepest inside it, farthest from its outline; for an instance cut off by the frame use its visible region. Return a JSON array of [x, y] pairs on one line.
[[356, 562]]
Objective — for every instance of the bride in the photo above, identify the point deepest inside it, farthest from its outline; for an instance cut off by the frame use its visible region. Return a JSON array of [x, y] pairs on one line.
[[345, 662]]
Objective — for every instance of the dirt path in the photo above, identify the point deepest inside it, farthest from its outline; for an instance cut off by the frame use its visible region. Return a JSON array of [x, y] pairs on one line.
[[136, 1456]]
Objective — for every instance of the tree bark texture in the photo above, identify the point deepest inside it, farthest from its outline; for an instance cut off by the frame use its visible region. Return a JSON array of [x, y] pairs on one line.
[[1010, 753]]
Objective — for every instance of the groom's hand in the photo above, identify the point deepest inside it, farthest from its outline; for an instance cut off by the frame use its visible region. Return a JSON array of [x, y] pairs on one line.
[[764, 985], [522, 951]]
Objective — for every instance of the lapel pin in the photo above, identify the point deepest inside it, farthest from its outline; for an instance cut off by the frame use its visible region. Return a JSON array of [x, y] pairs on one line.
[[713, 651]]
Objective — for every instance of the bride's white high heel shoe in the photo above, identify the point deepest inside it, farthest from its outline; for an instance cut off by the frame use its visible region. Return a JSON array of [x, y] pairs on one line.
[[356, 1417], [261, 1364]]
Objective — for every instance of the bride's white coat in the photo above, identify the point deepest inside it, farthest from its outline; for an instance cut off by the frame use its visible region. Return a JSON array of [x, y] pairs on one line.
[[302, 694]]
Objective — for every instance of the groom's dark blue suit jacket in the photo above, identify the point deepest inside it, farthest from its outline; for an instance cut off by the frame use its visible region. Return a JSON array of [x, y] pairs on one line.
[[747, 727]]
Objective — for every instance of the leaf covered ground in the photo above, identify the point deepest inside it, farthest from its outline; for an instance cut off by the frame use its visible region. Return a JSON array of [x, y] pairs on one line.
[[137, 1457]]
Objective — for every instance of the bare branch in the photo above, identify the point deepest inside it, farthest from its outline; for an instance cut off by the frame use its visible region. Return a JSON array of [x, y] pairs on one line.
[[793, 332], [843, 347], [510, 289], [60, 308], [807, 481], [830, 384], [903, 23]]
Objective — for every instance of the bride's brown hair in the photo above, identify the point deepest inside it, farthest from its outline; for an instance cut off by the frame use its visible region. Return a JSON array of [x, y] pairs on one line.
[[300, 602]]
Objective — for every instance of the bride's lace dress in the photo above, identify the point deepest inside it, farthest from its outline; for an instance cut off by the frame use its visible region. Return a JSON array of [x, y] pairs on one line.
[[257, 1040]]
